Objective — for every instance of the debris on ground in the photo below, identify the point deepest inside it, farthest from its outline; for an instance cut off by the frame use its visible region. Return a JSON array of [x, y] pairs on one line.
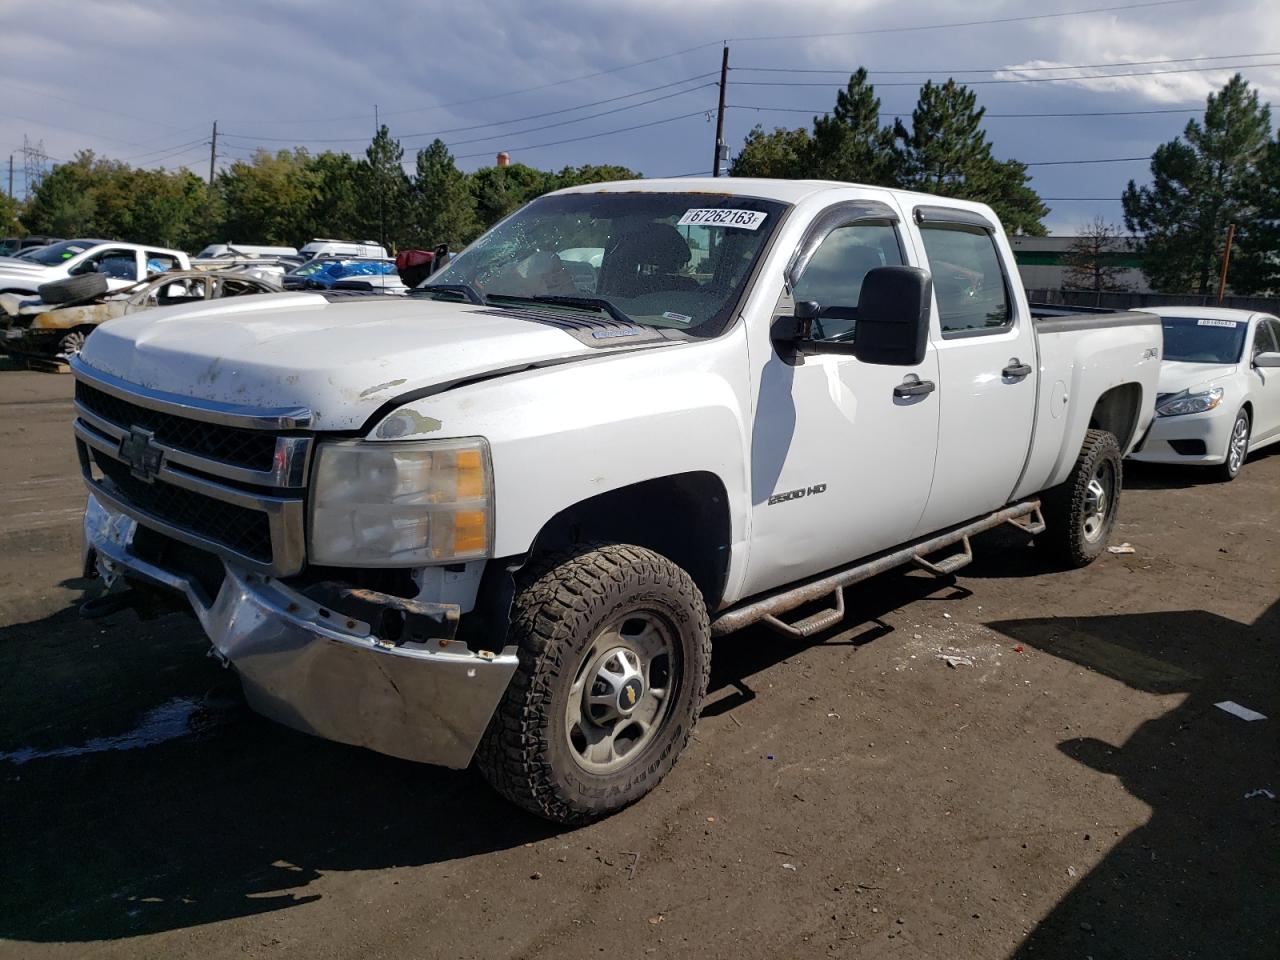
[[953, 661], [1122, 548], [1260, 792], [1244, 713], [788, 866]]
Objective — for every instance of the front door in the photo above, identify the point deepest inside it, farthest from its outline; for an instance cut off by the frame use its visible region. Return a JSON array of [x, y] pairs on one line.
[[1266, 382], [840, 466], [986, 355]]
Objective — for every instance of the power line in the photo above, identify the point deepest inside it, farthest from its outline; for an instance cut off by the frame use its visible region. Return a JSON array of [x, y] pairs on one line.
[[1067, 163], [986, 116], [716, 43], [499, 123], [592, 136], [1075, 66], [975, 83]]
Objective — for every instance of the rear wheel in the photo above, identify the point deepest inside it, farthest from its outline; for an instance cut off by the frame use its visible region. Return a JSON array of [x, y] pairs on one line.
[[1080, 512], [615, 653], [71, 344], [1237, 447]]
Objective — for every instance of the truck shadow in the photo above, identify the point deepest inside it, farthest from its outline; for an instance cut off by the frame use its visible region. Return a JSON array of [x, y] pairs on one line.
[[1165, 476], [1200, 878], [234, 816]]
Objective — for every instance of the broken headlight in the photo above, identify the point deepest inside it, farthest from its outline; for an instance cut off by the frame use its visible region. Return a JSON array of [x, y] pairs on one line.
[[405, 504]]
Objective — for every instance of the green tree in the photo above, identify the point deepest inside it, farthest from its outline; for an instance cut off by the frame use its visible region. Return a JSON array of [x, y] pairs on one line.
[[335, 207], [849, 144], [501, 190], [1200, 183], [442, 208], [589, 173], [384, 189], [1255, 267], [779, 153], [268, 198], [9, 215], [947, 153], [63, 205]]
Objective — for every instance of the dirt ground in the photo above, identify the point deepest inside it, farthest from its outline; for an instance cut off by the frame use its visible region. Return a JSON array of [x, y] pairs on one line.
[[1074, 793]]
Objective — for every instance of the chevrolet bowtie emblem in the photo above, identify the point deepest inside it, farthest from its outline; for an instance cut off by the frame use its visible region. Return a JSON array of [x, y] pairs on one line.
[[631, 696], [139, 450]]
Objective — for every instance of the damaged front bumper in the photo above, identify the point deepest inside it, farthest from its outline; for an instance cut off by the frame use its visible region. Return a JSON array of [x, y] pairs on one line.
[[319, 670]]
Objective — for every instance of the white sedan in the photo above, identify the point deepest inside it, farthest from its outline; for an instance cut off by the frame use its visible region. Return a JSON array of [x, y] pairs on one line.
[[1219, 393]]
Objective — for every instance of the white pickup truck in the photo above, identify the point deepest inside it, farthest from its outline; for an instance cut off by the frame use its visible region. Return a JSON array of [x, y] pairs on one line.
[[503, 517], [121, 264]]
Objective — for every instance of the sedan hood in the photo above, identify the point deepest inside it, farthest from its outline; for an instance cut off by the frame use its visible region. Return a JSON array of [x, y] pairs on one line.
[[1176, 375], [342, 359]]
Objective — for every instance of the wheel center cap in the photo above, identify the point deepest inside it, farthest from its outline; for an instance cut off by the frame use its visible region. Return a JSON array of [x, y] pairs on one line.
[[629, 695]]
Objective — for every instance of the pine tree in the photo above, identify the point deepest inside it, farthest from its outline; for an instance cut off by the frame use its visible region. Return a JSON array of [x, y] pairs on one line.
[[385, 189], [849, 144], [946, 153], [442, 208], [1200, 183], [1255, 266]]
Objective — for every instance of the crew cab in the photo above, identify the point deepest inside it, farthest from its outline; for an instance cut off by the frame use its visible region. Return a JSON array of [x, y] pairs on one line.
[[500, 519], [121, 263]]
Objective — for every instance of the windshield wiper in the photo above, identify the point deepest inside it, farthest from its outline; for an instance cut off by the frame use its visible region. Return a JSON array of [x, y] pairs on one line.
[[590, 303], [464, 290]]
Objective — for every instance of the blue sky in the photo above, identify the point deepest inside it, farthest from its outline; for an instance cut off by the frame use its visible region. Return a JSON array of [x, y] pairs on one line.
[[144, 80]]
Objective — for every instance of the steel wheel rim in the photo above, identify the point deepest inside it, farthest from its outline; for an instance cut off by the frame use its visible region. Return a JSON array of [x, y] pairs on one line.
[[1239, 445], [622, 692], [1098, 498]]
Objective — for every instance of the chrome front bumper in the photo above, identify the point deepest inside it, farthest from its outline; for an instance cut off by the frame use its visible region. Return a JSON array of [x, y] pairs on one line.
[[327, 676]]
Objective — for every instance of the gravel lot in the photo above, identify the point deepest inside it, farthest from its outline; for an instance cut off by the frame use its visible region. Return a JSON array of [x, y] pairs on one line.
[[1074, 793]]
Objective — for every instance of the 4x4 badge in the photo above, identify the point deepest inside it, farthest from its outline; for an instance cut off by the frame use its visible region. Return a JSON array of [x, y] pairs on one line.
[[139, 450]]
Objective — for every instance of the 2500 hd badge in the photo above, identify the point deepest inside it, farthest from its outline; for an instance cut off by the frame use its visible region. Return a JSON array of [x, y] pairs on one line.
[[813, 491]]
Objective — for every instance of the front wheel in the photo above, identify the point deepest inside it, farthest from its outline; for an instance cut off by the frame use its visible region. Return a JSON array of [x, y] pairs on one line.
[[1237, 448], [1080, 512], [615, 653]]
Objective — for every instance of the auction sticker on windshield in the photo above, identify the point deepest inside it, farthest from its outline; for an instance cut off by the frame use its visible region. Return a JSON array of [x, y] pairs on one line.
[[719, 217], [1217, 323]]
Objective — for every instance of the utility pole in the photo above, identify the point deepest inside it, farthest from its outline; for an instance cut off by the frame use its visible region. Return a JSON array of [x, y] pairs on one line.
[[213, 152], [724, 76], [11, 176], [1226, 261]]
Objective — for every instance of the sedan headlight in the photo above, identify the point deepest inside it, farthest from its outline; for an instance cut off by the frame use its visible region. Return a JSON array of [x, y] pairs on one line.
[[405, 504], [1184, 403]]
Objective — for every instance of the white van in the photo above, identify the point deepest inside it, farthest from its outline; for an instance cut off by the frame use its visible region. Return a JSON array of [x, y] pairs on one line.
[[217, 251], [365, 249]]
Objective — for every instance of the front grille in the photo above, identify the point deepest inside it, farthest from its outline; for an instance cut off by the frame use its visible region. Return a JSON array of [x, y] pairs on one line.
[[243, 530], [254, 449]]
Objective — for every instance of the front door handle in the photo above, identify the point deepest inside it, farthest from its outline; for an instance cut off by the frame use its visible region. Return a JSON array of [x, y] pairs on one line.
[[1017, 369], [913, 386]]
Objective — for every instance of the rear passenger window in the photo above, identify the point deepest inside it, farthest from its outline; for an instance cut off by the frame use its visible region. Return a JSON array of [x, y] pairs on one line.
[[160, 262], [1267, 339], [833, 275], [968, 278]]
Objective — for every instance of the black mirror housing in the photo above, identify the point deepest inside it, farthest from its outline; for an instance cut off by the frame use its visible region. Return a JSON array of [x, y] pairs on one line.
[[893, 316]]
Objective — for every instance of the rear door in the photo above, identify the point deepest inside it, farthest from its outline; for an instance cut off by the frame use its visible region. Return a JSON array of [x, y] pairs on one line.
[[987, 366]]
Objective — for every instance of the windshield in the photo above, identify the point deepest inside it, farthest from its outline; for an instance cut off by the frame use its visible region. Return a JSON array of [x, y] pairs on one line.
[[58, 252], [664, 259], [1201, 340]]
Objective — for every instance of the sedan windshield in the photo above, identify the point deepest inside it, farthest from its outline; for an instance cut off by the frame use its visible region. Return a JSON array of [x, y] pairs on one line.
[[662, 259], [57, 253], [1203, 340]]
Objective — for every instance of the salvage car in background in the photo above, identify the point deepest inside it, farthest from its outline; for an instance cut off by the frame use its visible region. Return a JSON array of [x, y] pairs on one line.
[[83, 262], [1219, 388], [346, 273], [62, 331], [12, 246]]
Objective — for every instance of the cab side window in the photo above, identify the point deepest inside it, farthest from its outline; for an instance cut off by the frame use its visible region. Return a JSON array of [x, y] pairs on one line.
[[968, 278], [116, 264], [1266, 337], [833, 275]]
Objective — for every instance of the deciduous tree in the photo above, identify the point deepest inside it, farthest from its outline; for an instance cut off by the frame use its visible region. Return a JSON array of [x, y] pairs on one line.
[[1094, 259]]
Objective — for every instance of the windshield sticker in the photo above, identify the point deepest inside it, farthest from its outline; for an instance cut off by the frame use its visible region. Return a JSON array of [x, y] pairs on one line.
[[719, 217], [1216, 323], [676, 317]]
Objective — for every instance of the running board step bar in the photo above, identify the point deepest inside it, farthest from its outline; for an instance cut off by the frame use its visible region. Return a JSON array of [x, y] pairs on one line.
[[1024, 516], [814, 623]]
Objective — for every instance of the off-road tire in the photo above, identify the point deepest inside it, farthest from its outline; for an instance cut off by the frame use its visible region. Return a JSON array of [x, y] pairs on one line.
[[73, 288], [1224, 471], [1064, 507], [562, 604]]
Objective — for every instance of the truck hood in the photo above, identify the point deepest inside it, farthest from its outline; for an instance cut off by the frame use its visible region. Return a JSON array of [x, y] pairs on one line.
[[10, 267], [1177, 375], [342, 360]]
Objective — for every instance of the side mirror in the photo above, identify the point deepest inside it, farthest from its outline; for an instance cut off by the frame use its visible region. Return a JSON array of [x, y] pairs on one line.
[[799, 326], [1267, 359], [893, 316]]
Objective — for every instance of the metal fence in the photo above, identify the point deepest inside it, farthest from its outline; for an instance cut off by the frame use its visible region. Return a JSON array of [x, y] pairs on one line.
[[1136, 301]]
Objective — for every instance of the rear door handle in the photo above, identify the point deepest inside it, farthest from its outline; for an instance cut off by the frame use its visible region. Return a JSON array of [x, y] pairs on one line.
[[913, 386], [1017, 369]]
